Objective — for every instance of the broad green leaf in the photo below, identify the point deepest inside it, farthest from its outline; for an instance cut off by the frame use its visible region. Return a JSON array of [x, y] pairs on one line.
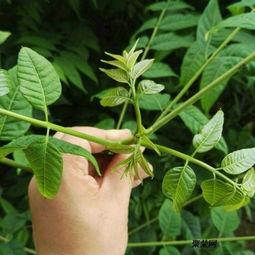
[[116, 74], [169, 250], [210, 133], [115, 96], [214, 191], [5, 82], [192, 62], [116, 63], [178, 184], [141, 67], [158, 70], [169, 220], [171, 41], [150, 87], [239, 161], [191, 225], [245, 20], [225, 222], [244, 201], [132, 58], [215, 69], [211, 16], [11, 128], [248, 183], [172, 6], [46, 162], [174, 22], [156, 102], [66, 147], [194, 120], [4, 36], [39, 82]]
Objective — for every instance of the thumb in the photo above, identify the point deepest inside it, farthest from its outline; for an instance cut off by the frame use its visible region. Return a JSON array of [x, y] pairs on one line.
[[115, 181]]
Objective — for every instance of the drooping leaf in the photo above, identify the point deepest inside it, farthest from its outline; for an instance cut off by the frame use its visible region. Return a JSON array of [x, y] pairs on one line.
[[210, 133], [4, 36], [5, 83], [115, 96], [157, 102], [158, 70], [194, 120], [11, 128], [150, 87], [248, 183], [192, 62], [178, 184], [141, 67], [171, 41], [46, 162], [211, 16], [172, 6], [169, 220], [225, 222], [191, 225], [66, 147], [174, 22], [169, 250], [245, 20], [39, 82], [239, 161]]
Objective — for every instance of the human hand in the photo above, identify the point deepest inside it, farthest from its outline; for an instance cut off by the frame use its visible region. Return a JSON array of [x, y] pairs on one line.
[[89, 215]]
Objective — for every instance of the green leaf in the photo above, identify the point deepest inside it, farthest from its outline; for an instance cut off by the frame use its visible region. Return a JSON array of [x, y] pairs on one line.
[[169, 250], [66, 147], [246, 20], [239, 161], [191, 225], [117, 57], [11, 223], [158, 70], [46, 162], [116, 63], [192, 62], [39, 82], [141, 67], [4, 36], [156, 102], [215, 69], [5, 83], [174, 22], [116, 74], [11, 128], [243, 3], [115, 96], [169, 220], [211, 16], [172, 6], [225, 222], [194, 120], [210, 133], [123, 149], [150, 87], [242, 202], [248, 183], [7, 207], [178, 184], [214, 191], [132, 58], [171, 41]]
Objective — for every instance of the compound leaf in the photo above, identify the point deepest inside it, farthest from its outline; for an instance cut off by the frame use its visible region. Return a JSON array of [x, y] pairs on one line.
[[239, 161], [178, 184], [39, 82]]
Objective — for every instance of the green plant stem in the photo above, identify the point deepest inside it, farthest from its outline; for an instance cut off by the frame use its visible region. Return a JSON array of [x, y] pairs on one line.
[[158, 124], [28, 250], [58, 128], [194, 161], [147, 48], [183, 242], [156, 218], [198, 73], [15, 164]]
